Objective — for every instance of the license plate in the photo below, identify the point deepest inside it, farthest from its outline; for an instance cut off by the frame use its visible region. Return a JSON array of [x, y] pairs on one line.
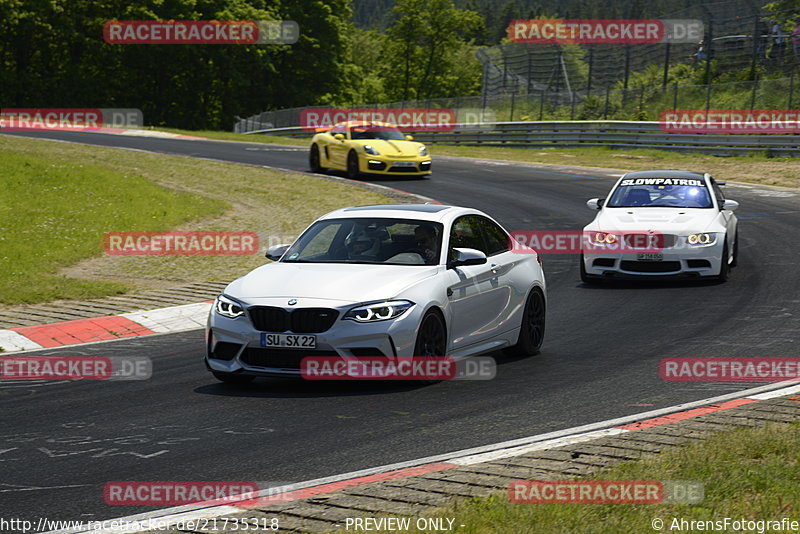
[[289, 341], [403, 163], [650, 257]]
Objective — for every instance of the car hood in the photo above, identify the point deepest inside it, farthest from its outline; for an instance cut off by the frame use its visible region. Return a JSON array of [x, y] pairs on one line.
[[391, 148], [353, 283], [665, 220]]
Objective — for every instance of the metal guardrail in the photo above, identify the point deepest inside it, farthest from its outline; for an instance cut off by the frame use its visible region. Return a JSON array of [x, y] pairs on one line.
[[611, 134]]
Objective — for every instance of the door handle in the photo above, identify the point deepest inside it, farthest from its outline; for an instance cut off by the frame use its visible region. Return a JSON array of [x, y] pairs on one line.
[[495, 268]]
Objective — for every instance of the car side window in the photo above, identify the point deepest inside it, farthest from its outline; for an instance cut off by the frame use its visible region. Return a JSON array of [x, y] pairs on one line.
[[718, 193], [466, 233], [497, 241]]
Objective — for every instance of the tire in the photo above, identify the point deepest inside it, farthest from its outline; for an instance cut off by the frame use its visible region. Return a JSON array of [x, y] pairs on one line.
[[313, 159], [352, 166], [724, 267], [585, 277], [431, 336], [231, 378], [735, 261], [531, 332]]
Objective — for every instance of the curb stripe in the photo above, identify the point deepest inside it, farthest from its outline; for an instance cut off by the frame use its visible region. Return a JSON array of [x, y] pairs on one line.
[[14, 341], [680, 416], [107, 328], [349, 483], [82, 331]]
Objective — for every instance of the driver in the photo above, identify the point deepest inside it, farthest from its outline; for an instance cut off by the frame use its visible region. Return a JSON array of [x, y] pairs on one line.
[[425, 236], [360, 245]]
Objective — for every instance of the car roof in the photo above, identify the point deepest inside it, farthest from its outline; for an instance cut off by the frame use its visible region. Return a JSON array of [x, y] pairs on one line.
[[425, 212], [665, 174], [354, 124]]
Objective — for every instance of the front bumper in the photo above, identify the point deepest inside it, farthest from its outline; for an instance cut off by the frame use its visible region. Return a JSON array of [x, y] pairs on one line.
[[681, 262], [418, 166], [234, 345]]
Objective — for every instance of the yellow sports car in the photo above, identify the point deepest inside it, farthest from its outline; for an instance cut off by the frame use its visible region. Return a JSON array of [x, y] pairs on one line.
[[358, 147]]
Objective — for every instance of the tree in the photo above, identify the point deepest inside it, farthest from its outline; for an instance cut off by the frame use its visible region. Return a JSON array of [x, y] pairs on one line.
[[425, 41]]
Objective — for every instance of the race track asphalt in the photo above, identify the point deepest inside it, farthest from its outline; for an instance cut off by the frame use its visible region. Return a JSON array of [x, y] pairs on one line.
[[61, 442]]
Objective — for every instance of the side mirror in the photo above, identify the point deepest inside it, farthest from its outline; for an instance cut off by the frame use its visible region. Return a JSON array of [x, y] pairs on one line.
[[720, 182], [338, 137], [275, 252], [466, 256], [595, 203], [730, 205], [409, 137]]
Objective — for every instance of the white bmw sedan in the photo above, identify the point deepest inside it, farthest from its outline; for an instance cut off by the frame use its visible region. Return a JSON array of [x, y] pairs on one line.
[[661, 224], [409, 280]]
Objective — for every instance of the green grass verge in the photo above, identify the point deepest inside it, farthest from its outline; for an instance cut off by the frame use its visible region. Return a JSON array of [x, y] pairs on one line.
[[53, 212], [59, 199], [246, 138], [746, 473]]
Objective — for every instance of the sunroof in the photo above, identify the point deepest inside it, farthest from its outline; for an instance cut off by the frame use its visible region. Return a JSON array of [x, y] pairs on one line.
[[424, 208]]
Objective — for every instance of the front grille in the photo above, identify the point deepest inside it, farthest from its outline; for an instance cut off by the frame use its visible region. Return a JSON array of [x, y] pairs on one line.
[[269, 319], [300, 321], [282, 358], [603, 262], [649, 241], [312, 320], [404, 169], [651, 266], [376, 166]]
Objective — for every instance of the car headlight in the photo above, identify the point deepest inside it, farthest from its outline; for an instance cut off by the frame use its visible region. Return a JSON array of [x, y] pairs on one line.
[[369, 150], [380, 311], [605, 237], [423, 150], [228, 308], [701, 240]]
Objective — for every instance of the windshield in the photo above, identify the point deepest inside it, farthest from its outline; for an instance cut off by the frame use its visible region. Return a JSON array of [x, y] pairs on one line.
[[661, 193], [389, 133], [368, 240]]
